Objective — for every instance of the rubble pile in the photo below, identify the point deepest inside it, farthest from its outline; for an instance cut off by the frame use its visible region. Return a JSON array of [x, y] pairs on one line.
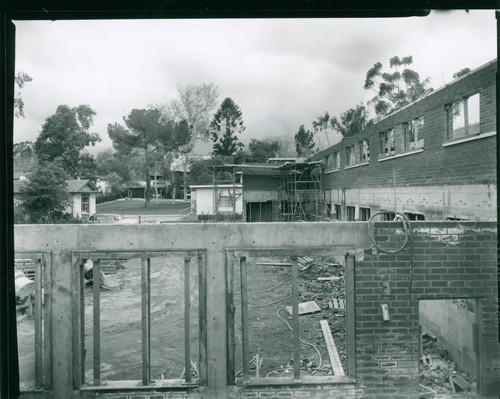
[[312, 288], [439, 373]]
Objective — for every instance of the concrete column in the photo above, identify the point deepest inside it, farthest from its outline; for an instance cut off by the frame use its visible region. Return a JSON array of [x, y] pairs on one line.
[[216, 322], [62, 322]]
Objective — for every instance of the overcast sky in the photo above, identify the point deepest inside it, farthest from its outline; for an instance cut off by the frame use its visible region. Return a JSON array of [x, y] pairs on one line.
[[281, 72]]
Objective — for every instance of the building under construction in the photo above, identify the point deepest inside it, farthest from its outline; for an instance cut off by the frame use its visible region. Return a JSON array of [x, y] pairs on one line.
[[274, 191]]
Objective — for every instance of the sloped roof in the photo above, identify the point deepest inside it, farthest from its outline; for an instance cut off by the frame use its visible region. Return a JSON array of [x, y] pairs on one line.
[[74, 186], [81, 186]]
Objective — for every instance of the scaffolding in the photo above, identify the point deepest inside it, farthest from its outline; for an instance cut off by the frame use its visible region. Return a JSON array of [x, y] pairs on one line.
[[300, 192], [225, 180]]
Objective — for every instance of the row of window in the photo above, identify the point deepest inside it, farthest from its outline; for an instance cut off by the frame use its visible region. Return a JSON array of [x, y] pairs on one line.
[[462, 121], [364, 214]]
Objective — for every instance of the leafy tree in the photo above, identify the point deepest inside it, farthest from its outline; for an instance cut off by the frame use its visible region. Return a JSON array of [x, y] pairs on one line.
[[65, 135], [25, 159], [304, 142], [201, 171], [461, 73], [120, 171], [352, 121], [20, 80], [322, 124], [224, 127], [262, 150], [150, 133], [394, 90], [195, 105], [285, 147], [45, 196]]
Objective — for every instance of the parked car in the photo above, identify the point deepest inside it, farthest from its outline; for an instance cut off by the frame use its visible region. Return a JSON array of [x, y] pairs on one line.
[[109, 218]]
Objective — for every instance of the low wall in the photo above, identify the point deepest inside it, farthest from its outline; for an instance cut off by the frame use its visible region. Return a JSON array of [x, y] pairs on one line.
[[446, 260], [452, 325]]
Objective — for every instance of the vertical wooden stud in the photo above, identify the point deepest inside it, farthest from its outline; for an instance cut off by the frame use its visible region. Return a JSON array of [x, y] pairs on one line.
[[295, 320], [187, 334], [145, 312], [230, 319], [96, 284], [82, 322], [202, 314], [244, 319], [47, 330], [349, 283], [38, 323]]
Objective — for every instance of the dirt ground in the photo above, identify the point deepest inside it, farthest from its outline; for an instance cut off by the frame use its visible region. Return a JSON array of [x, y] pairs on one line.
[[269, 290]]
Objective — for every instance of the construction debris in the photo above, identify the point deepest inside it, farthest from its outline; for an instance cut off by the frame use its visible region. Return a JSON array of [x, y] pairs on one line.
[[439, 373], [305, 308]]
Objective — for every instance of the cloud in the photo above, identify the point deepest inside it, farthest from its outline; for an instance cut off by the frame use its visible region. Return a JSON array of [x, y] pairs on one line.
[[281, 72]]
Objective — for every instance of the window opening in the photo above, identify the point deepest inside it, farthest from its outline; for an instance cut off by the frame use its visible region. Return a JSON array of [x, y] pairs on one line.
[[387, 142], [337, 211], [278, 315], [140, 318], [350, 155], [33, 326], [414, 216], [463, 117], [86, 203], [364, 214], [364, 151], [336, 160], [330, 162], [351, 213], [414, 134]]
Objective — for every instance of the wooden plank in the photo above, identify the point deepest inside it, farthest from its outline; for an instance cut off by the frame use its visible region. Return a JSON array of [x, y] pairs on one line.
[[461, 383], [350, 321], [145, 319], [96, 283], [335, 303], [76, 314], [272, 264], [342, 303], [295, 321], [187, 334], [78, 337], [244, 319], [305, 308], [230, 310], [38, 324], [330, 278], [202, 314], [47, 331], [82, 322], [332, 349], [452, 385]]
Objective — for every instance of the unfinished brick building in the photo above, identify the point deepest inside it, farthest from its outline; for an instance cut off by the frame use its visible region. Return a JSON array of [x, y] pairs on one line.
[[435, 159]]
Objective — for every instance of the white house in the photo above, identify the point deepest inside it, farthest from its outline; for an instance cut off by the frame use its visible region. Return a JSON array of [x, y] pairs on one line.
[[83, 196], [205, 200]]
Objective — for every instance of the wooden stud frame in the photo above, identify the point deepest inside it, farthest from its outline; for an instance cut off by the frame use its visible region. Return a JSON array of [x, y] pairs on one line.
[[42, 316], [240, 255], [79, 259]]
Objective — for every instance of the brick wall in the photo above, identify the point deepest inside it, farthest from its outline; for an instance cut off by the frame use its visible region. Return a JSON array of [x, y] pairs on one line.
[[451, 260], [473, 162]]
